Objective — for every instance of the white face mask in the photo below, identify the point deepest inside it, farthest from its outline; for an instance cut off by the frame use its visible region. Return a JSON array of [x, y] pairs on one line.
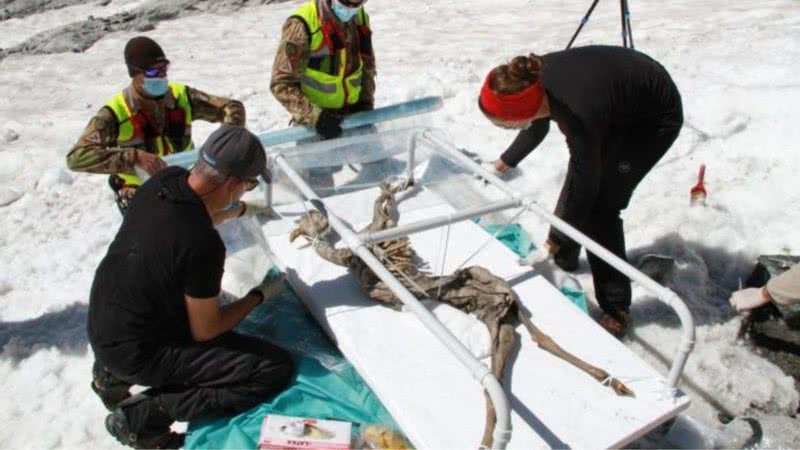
[[344, 13]]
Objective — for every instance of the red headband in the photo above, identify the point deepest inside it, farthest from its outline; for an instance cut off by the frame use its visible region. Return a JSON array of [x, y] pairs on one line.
[[511, 107]]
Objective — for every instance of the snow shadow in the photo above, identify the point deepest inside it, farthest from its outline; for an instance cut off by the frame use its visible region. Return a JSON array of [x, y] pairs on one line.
[[64, 330], [703, 276]]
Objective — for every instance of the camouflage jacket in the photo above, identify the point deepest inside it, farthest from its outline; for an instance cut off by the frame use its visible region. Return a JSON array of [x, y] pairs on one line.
[[291, 60], [97, 152]]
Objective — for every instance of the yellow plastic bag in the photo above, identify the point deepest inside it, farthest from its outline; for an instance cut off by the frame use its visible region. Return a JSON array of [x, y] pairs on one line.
[[375, 437]]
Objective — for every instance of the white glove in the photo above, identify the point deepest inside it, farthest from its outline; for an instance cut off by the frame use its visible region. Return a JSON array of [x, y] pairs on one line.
[[541, 260], [271, 288], [747, 299], [542, 254], [536, 257]]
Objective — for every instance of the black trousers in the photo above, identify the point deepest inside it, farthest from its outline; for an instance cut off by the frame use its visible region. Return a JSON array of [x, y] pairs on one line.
[[629, 156], [225, 376]]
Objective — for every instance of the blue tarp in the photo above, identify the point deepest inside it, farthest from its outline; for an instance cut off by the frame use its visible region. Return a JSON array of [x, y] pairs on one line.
[[517, 239], [325, 385]]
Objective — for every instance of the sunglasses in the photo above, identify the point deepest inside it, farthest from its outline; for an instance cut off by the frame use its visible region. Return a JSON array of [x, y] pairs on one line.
[[250, 183], [153, 72]]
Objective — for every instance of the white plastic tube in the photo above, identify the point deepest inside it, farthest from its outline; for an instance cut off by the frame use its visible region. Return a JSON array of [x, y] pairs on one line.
[[665, 295], [479, 371], [434, 222]]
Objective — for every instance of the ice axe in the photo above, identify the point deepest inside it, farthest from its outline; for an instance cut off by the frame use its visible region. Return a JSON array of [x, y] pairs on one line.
[[698, 194]]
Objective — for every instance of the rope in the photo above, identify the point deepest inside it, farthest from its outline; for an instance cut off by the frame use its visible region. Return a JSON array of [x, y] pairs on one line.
[[446, 245], [493, 236], [312, 243], [396, 270], [410, 281]]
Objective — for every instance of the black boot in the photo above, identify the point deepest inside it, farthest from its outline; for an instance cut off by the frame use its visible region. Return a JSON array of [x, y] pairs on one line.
[[140, 422], [109, 388]]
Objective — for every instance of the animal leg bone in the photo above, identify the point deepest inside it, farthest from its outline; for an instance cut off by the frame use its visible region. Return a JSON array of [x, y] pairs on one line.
[[547, 343]]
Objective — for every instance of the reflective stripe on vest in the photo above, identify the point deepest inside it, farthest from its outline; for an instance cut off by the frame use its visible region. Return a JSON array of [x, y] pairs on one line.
[[328, 88], [132, 134]]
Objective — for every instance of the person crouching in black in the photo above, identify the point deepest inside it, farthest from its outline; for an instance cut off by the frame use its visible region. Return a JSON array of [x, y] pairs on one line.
[[155, 318]]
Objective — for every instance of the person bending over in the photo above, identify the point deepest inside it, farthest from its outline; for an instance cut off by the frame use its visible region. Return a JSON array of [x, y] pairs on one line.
[[620, 112]]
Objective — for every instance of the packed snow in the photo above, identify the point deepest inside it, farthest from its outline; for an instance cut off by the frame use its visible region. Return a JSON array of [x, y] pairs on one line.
[[734, 63]]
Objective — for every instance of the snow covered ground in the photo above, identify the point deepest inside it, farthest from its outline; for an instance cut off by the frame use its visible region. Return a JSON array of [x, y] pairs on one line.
[[734, 62]]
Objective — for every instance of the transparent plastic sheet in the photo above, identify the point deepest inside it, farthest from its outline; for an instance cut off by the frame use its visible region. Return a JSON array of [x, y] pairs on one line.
[[361, 162], [240, 234], [365, 158], [284, 322], [247, 256]]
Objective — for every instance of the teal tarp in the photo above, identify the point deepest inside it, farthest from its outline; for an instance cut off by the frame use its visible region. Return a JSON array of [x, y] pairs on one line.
[[325, 385], [512, 236], [518, 240]]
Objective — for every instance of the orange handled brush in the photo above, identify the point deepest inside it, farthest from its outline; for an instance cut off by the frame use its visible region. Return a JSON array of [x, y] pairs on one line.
[[698, 194]]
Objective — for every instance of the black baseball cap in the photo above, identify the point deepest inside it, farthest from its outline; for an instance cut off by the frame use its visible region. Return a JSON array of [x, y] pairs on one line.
[[235, 151]]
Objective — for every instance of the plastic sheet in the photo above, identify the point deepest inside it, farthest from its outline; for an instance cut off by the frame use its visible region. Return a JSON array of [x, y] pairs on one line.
[[298, 133], [517, 239]]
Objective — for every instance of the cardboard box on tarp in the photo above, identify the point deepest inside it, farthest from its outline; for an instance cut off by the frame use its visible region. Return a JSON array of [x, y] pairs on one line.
[[286, 432]]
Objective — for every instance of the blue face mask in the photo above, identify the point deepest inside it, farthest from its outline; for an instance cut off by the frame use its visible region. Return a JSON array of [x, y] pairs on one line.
[[156, 87], [343, 13]]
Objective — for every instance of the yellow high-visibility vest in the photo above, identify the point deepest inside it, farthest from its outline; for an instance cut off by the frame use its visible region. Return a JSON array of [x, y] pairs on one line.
[[324, 81], [133, 126]]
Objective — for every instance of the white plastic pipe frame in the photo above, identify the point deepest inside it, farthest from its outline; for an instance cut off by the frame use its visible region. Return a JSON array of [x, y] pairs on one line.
[[663, 294], [479, 371]]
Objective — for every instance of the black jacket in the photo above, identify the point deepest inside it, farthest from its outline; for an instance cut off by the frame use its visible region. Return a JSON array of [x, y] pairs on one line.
[[597, 94]]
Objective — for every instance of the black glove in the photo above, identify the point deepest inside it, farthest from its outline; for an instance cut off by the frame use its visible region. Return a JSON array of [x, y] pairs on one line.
[[329, 125], [362, 106]]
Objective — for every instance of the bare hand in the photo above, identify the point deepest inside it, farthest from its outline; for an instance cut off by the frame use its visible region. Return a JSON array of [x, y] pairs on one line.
[[551, 247], [501, 167], [149, 162]]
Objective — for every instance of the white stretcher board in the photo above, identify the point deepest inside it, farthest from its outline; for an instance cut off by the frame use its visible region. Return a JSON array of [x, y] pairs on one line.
[[430, 394]]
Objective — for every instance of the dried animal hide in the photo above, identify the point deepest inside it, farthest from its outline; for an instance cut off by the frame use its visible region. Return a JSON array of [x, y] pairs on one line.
[[473, 290]]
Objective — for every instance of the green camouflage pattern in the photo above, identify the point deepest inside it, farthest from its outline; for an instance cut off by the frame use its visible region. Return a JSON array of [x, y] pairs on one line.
[[291, 60], [97, 151]]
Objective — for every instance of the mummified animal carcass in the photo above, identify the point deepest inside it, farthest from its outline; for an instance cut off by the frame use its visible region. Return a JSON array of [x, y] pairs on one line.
[[473, 290]]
